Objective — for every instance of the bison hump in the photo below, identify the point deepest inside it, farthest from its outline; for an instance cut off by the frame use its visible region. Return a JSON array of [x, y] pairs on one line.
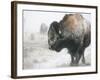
[[73, 21]]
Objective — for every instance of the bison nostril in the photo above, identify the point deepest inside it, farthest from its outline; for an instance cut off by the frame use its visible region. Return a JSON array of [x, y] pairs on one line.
[[49, 47]]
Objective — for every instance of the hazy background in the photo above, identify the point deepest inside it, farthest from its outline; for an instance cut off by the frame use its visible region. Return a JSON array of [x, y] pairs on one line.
[[34, 19]]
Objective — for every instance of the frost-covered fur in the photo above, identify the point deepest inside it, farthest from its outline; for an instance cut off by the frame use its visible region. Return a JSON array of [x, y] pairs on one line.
[[72, 32]]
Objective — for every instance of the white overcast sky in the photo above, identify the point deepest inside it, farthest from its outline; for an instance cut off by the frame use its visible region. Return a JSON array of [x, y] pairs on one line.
[[32, 20]]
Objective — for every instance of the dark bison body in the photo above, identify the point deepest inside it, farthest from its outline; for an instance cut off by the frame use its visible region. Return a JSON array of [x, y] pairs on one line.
[[72, 32]]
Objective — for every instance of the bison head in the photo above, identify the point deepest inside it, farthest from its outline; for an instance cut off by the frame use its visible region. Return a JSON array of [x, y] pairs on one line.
[[54, 36]]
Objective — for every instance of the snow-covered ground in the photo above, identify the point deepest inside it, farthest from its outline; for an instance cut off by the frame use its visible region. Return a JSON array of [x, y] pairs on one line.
[[37, 55]]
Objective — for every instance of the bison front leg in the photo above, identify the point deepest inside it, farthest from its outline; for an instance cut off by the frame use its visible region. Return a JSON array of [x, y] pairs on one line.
[[72, 60], [80, 54], [83, 59], [77, 58]]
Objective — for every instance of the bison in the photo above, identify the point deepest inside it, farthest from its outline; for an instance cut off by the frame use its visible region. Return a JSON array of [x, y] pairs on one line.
[[72, 32]]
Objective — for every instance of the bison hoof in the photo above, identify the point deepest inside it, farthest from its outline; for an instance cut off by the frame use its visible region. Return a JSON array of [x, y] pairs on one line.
[[73, 64], [83, 61]]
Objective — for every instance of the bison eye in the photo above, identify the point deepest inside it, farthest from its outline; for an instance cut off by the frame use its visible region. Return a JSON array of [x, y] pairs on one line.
[[59, 31]]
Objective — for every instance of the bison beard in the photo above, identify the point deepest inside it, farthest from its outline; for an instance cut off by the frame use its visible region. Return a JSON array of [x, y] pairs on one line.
[[73, 33]]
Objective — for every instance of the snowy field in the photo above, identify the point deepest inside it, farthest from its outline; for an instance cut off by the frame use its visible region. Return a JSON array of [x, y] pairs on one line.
[[37, 55]]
